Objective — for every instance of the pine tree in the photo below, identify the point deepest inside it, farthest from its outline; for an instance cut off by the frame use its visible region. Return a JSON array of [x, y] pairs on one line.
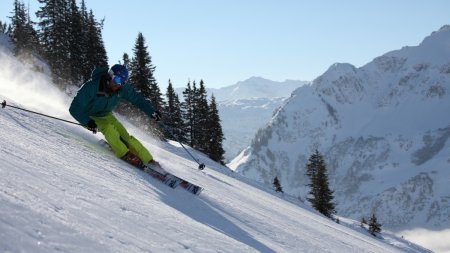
[[202, 122], [71, 40], [5, 28], [187, 107], [76, 37], [142, 79], [54, 22], [22, 33], [200, 117], [96, 52], [18, 21], [141, 76], [126, 60], [157, 97], [374, 226], [173, 118], [320, 194], [139, 69], [87, 63], [215, 149], [33, 44], [277, 185]]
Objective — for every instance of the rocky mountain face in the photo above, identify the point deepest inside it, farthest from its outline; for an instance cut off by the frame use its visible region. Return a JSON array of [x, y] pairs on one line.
[[383, 129]]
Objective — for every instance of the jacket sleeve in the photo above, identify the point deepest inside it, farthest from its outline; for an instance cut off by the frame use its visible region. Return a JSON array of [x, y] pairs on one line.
[[79, 107], [137, 100]]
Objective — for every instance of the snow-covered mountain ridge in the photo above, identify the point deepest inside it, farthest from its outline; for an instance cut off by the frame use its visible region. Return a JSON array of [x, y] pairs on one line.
[[62, 192], [383, 129], [256, 87]]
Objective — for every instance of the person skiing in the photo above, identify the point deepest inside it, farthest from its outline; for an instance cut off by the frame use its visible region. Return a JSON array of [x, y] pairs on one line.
[[93, 104]]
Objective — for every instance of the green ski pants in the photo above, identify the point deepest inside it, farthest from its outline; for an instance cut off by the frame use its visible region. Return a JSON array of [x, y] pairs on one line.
[[119, 139]]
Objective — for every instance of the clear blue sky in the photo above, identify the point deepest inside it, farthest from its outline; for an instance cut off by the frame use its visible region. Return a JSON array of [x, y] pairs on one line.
[[226, 41]]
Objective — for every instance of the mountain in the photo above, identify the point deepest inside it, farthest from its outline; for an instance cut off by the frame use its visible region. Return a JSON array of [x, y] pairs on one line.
[[256, 87], [383, 129], [62, 192], [246, 107]]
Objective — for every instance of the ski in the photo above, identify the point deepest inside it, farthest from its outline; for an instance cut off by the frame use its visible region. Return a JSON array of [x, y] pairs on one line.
[[192, 188], [171, 180]]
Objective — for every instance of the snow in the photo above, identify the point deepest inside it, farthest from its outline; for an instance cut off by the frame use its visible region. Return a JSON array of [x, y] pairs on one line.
[[63, 192], [434, 238]]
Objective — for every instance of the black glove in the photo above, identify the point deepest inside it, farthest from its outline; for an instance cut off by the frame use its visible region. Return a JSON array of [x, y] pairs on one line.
[[92, 126], [156, 116]]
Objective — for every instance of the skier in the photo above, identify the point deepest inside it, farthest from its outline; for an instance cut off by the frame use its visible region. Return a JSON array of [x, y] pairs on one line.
[[94, 102]]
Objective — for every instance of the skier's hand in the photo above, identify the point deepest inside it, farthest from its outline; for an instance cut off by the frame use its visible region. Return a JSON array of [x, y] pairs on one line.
[[91, 126], [156, 116]]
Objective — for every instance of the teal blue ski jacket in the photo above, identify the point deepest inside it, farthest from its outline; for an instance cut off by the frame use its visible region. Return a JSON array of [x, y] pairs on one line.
[[89, 101]]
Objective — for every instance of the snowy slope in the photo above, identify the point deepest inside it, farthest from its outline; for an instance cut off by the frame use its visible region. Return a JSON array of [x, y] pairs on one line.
[[383, 129], [62, 192]]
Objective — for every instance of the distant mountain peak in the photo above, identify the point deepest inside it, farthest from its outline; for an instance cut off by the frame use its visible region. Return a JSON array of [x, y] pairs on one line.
[[255, 78], [257, 87], [444, 28]]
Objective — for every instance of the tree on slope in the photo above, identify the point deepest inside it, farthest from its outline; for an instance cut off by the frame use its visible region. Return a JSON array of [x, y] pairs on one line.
[[141, 73], [200, 119], [214, 133], [173, 118], [374, 226], [71, 40], [188, 110], [77, 57], [91, 41], [23, 33], [142, 79], [5, 28], [53, 34], [96, 53], [277, 185], [320, 195]]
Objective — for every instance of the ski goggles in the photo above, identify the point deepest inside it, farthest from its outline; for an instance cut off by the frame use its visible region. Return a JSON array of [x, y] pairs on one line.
[[117, 80]]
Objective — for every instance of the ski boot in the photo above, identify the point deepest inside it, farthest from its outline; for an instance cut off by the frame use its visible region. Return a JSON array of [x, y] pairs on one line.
[[132, 159]]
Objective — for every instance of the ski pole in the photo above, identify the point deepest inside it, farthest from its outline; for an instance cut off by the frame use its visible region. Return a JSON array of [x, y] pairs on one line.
[[201, 166], [38, 113]]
